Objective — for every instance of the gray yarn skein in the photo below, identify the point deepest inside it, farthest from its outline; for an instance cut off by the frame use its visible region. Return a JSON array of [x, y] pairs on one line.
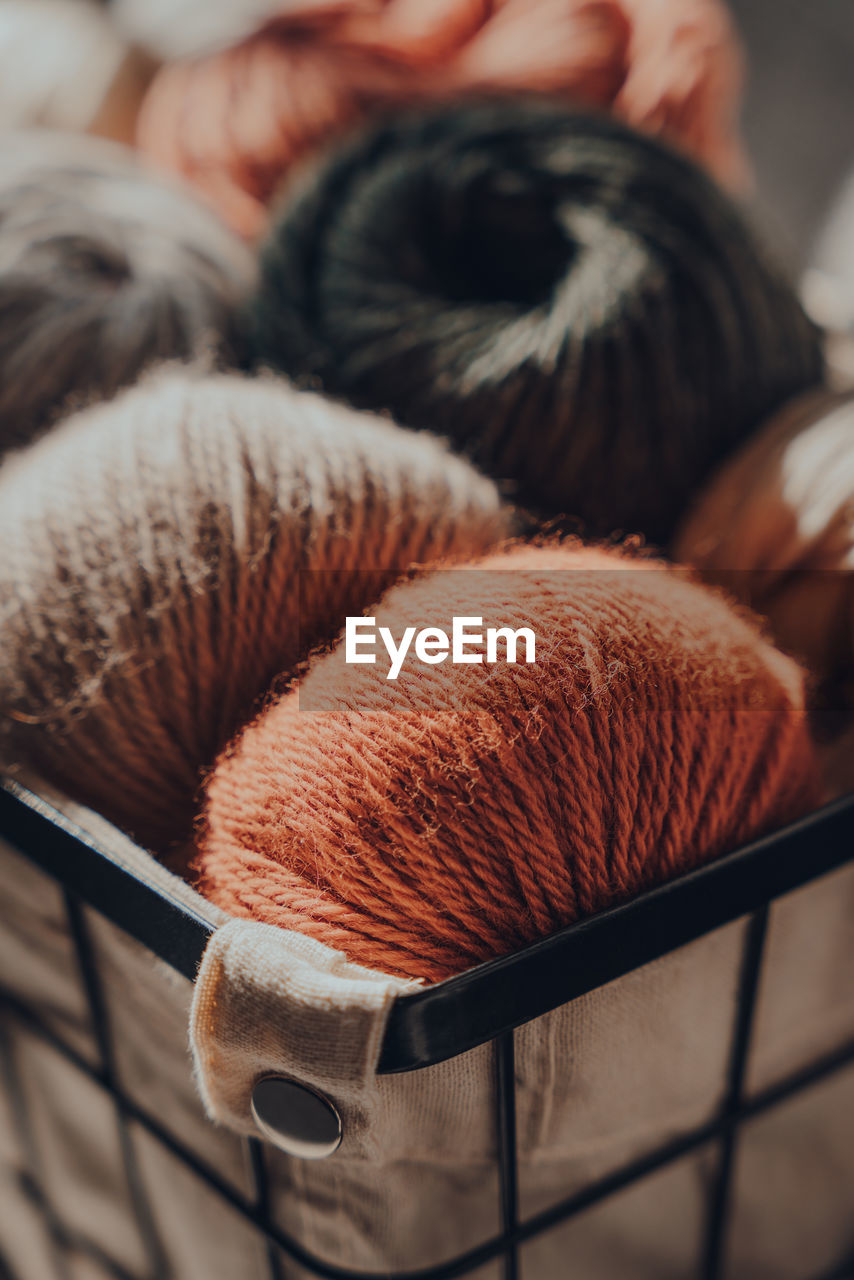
[[578, 307], [105, 269]]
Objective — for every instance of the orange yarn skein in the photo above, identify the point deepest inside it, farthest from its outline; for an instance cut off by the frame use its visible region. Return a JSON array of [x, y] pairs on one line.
[[234, 121], [424, 824]]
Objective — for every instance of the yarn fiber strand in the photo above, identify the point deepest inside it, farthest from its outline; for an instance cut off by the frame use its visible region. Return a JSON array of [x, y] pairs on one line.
[[170, 554], [460, 812], [579, 308]]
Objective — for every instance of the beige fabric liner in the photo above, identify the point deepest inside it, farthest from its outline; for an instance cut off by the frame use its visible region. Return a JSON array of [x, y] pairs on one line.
[[601, 1080]]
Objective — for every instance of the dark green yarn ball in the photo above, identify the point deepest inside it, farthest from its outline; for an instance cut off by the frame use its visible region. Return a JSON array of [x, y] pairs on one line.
[[580, 309]]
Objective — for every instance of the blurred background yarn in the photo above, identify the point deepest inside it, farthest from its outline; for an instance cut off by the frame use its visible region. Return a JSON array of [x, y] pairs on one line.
[[483, 807], [234, 121], [170, 29], [798, 99], [105, 269], [64, 65], [578, 307], [775, 526], [828, 284], [167, 556]]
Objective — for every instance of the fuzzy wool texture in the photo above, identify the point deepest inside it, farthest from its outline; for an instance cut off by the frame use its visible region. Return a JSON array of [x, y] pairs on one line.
[[235, 121], [581, 309], [106, 269], [169, 555], [457, 814]]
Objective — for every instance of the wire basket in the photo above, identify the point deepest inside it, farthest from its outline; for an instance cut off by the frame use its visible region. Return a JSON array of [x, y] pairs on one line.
[[86, 982]]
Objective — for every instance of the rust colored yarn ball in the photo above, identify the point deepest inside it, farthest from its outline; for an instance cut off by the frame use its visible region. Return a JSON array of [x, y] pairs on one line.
[[457, 813], [105, 269], [579, 308], [236, 120], [167, 556]]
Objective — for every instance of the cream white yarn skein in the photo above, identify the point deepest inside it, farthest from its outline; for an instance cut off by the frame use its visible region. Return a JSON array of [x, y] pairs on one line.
[[169, 554], [58, 60]]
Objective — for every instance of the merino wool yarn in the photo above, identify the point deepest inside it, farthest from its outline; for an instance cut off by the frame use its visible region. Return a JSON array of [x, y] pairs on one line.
[[776, 526], [59, 62], [424, 824], [236, 120], [105, 269], [168, 555], [579, 308]]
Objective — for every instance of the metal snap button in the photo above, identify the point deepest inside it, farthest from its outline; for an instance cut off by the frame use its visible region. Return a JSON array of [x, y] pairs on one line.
[[296, 1118]]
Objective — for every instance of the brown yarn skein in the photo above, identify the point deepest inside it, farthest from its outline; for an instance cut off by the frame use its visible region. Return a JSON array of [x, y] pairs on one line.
[[105, 269], [462, 811], [167, 555]]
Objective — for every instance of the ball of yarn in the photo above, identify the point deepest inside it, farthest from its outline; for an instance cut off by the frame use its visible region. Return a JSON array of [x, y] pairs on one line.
[[236, 120], [104, 270], [424, 824], [578, 307], [776, 526], [58, 62], [166, 556]]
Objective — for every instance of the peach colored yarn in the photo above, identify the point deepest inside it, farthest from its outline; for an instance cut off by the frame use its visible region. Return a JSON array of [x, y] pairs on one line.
[[167, 555], [425, 825], [234, 122]]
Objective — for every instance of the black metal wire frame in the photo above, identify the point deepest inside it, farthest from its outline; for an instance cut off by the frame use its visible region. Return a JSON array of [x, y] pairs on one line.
[[456, 1015], [792, 858], [255, 1210], [719, 1199]]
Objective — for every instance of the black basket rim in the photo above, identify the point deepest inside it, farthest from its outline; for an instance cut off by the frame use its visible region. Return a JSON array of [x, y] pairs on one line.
[[435, 1023]]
